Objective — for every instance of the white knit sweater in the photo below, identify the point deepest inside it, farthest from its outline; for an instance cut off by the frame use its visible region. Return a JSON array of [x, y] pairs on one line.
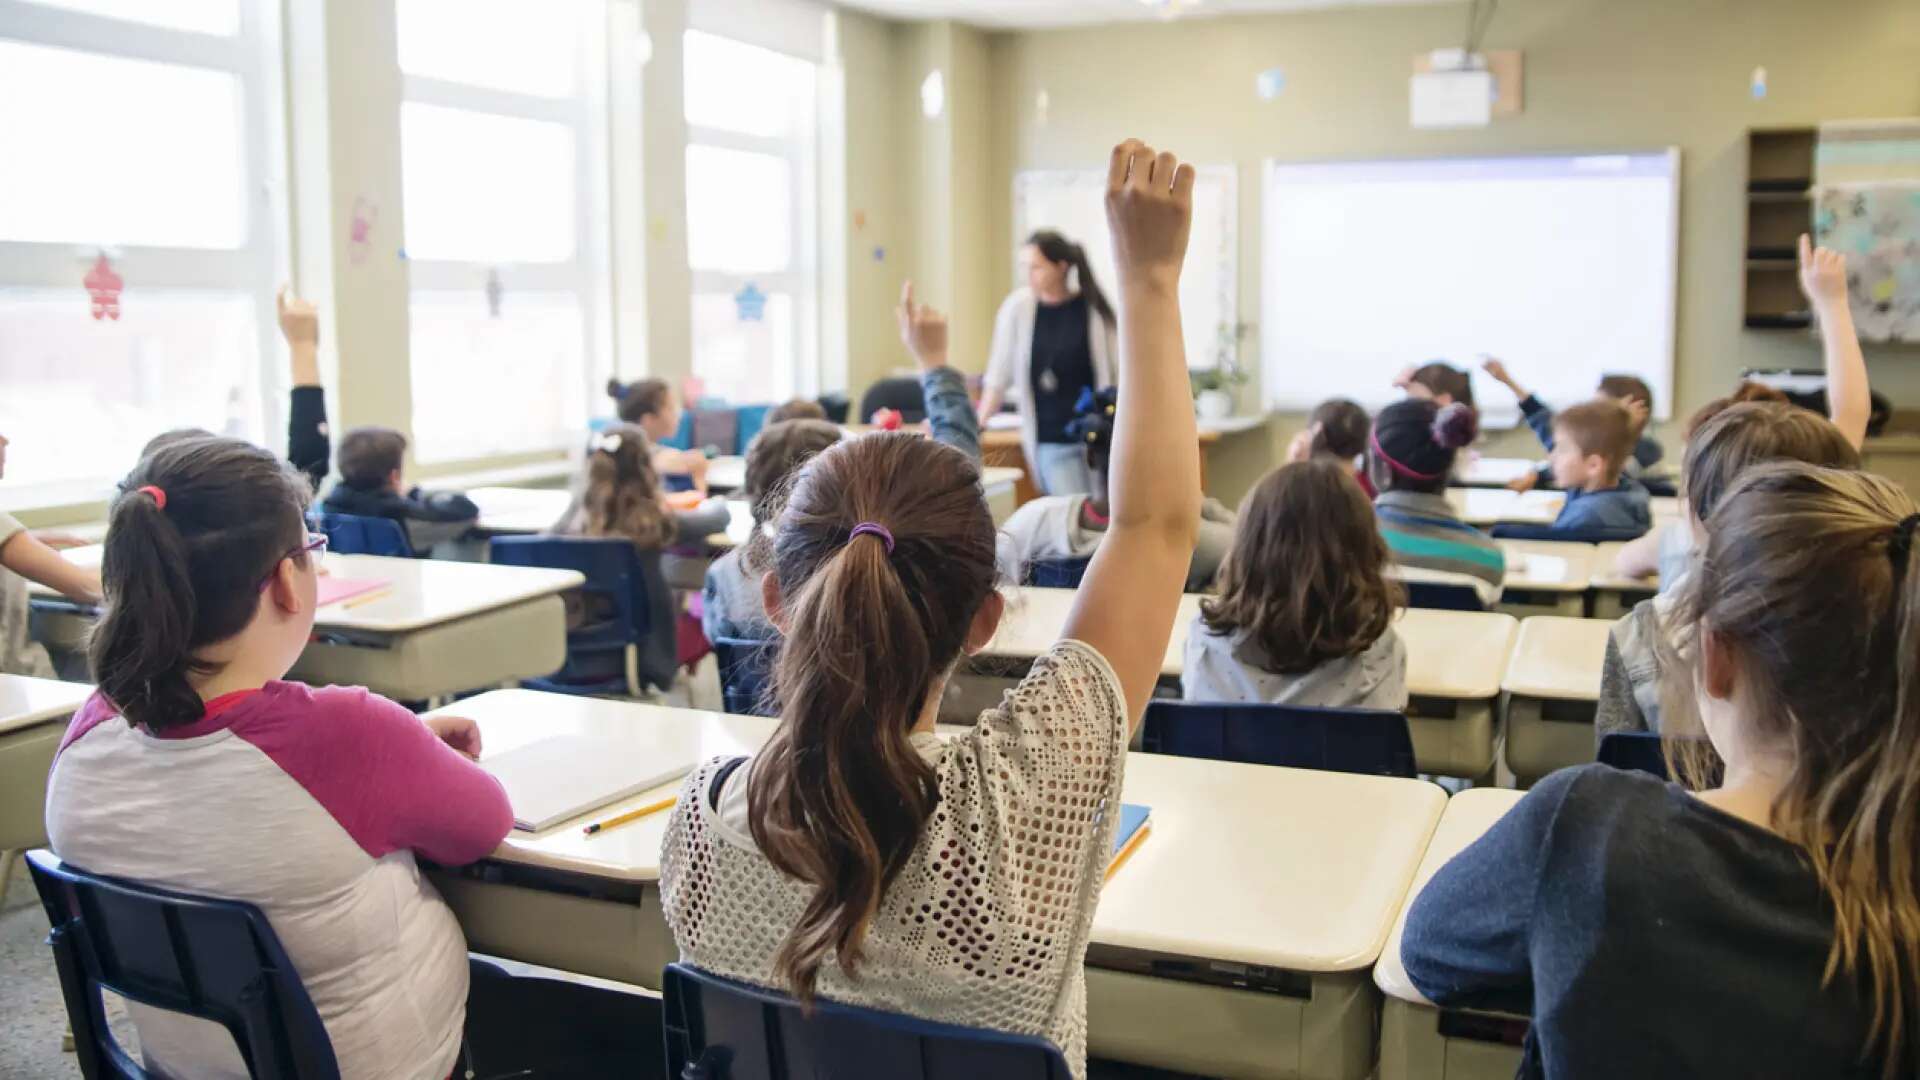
[[987, 923]]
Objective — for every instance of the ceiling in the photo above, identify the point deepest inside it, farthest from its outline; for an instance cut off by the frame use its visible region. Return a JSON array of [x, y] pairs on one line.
[[1028, 14]]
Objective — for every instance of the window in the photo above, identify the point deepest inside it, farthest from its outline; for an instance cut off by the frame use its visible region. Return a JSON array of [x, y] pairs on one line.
[[139, 235], [751, 219], [503, 137]]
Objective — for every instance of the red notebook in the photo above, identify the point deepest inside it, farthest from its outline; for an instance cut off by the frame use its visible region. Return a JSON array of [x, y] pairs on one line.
[[335, 589]]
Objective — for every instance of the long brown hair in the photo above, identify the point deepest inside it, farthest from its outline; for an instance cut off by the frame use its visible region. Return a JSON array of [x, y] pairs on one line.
[[773, 461], [184, 575], [1056, 248], [1306, 577], [839, 795], [622, 496], [1811, 578]]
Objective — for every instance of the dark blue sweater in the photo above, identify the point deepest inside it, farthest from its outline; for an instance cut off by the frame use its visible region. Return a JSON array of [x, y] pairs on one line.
[[1647, 933]]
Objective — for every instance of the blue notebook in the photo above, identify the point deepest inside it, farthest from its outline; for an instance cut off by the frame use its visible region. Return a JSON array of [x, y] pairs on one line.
[[1127, 835]]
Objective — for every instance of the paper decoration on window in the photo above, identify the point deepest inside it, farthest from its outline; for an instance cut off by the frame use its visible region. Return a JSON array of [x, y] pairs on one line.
[[360, 229], [495, 292], [750, 302], [1268, 84], [103, 289]]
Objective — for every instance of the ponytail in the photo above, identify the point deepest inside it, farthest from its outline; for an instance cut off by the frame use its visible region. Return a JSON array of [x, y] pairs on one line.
[[622, 497], [884, 554], [195, 528], [1056, 248]]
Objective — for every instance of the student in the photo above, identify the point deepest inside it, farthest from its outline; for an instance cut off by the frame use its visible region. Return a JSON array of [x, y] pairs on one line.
[[25, 557], [371, 484], [797, 409], [731, 604], [622, 497], [1630, 391], [1071, 526], [1589, 447], [652, 405], [1304, 614], [1337, 429], [1766, 926], [809, 868], [1438, 382], [1409, 457], [195, 767]]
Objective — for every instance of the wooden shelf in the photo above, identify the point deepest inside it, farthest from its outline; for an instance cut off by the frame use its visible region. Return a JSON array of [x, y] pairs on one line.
[[1779, 210]]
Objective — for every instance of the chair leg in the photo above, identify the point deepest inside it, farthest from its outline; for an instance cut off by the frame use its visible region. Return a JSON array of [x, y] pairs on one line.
[[633, 671], [8, 859]]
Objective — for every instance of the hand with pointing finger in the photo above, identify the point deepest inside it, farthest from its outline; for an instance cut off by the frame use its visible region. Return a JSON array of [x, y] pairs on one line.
[[922, 330]]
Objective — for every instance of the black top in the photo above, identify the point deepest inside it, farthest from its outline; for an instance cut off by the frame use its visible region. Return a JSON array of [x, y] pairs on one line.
[[1649, 935], [308, 444], [1062, 366]]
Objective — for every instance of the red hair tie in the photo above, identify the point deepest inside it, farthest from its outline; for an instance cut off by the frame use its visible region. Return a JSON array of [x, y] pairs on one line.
[[159, 497]]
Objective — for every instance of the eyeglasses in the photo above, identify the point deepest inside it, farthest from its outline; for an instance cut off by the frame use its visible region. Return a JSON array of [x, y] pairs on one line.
[[316, 544]]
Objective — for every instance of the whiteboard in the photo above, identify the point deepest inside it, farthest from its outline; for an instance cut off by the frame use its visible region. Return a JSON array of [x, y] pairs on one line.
[[1564, 267], [1073, 203]]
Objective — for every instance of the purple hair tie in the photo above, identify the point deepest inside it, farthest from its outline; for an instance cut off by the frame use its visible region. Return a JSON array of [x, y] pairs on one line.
[[869, 528]]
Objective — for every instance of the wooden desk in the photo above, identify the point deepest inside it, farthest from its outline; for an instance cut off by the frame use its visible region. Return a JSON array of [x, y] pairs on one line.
[[1552, 683], [1411, 1045], [1546, 577], [1494, 472], [592, 905], [998, 484], [1615, 594], [1036, 617], [727, 472], [1002, 447], [33, 718], [1484, 507], [506, 511], [437, 628]]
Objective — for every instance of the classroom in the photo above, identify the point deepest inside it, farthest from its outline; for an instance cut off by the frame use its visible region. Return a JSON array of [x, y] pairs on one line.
[[1074, 539]]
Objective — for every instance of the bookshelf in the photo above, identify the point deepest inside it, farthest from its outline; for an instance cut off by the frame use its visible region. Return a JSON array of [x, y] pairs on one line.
[[1779, 209]]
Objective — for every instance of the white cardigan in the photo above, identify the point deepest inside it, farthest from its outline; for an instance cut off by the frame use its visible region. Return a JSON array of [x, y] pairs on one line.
[[1010, 362]]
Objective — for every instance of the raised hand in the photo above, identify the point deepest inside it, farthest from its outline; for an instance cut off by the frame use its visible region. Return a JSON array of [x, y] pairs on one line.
[[922, 330], [299, 321], [1823, 275], [1497, 371], [1301, 447], [1149, 213]]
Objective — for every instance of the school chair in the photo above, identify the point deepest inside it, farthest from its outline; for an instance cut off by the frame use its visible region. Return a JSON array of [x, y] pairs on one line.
[[751, 419], [717, 430], [621, 633], [1443, 596], [351, 534], [215, 959], [744, 669], [1515, 530], [901, 393], [1373, 742], [1057, 573], [837, 406], [719, 1029]]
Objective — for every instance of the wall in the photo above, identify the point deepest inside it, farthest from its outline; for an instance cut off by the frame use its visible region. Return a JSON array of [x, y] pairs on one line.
[[1600, 74]]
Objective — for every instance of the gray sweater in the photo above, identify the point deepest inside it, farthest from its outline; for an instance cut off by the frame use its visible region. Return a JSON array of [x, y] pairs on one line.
[[1049, 528], [1230, 669]]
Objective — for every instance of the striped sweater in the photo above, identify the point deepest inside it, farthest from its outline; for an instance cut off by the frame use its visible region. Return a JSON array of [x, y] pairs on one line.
[[1424, 533]]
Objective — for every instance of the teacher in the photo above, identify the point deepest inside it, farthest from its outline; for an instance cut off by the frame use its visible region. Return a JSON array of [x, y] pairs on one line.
[[1055, 338]]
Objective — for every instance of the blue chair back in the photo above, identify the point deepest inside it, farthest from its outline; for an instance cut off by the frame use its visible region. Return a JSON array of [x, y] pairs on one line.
[[1057, 573], [1443, 596], [214, 959], [1373, 742], [718, 1029], [752, 419], [744, 670], [615, 608], [901, 393], [351, 534], [1512, 530], [837, 407]]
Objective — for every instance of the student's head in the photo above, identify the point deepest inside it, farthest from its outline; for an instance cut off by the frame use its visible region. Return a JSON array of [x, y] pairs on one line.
[[1740, 437], [1591, 443], [370, 458], [206, 562], [1051, 260], [1092, 428], [1414, 443], [1444, 384], [797, 409], [773, 459], [1629, 388], [1804, 615], [1745, 392], [1306, 577], [1342, 429], [650, 403], [883, 574], [622, 494], [168, 438]]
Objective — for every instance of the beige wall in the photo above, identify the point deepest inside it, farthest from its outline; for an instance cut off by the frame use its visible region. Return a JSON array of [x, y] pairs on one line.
[[1599, 74]]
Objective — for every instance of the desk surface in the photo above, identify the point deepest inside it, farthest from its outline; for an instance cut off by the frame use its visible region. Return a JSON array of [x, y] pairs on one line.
[[419, 592], [1665, 508], [26, 701], [729, 473], [1548, 565], [1366, 838], [1491, 506], [1494, 471], [1468, 815], [1558, 659], [1035, 618], [519, 510], [1606, 577]]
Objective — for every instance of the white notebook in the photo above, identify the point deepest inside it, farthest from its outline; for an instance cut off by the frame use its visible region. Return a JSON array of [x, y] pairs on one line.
[[564, 776]]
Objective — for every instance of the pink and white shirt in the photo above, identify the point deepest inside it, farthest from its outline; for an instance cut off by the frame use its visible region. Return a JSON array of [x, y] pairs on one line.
[[309, 804]]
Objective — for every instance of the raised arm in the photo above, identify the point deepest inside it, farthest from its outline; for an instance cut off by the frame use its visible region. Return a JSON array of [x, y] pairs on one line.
[[1823, 277], [950, 416], [309, 447], [1127, 602]]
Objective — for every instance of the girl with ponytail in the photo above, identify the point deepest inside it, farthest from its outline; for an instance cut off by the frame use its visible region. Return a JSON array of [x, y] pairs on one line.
[[198, 767], [1762, 917], [1410, 455], [858, 856], [1053, 339]]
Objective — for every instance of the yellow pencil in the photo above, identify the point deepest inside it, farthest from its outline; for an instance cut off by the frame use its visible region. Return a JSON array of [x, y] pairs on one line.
[[632, 815], [367, 598]]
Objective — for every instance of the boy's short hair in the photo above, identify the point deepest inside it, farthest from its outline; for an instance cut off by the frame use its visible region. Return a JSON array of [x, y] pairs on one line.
[[1627, 388], [1599, 427], [797, 409], [1445, 379], [1746, 434], [368, 455]]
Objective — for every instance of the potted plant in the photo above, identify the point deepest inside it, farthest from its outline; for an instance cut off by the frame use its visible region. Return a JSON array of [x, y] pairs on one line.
[[1213, 388]]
